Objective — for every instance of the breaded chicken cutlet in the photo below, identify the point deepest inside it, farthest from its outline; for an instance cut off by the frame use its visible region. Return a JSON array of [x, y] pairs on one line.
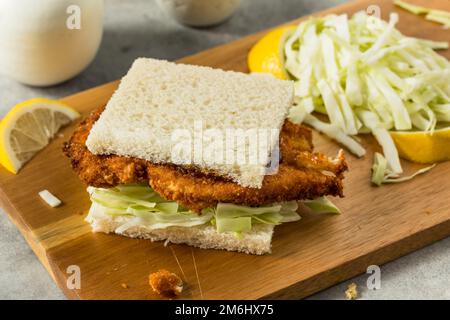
[[302, 173]]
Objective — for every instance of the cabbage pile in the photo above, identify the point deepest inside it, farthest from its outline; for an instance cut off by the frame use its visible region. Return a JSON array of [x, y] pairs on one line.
[[367, 77]]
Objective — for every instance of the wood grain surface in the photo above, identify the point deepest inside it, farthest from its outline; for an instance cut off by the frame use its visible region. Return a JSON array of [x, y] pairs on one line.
[[377, 224]]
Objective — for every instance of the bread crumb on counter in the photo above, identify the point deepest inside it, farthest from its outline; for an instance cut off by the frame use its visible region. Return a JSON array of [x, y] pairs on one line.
[[124, 285], [352, 292], [166, 283]]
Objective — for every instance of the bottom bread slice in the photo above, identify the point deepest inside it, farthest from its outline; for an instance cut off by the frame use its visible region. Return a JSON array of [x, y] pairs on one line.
[[257, 241]]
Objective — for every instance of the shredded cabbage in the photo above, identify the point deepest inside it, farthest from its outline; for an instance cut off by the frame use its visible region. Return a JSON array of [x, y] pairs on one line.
[[146, 208], [144, 205], [381, 173], [367, 78], [335, 133], [321, 205], [237, 218]]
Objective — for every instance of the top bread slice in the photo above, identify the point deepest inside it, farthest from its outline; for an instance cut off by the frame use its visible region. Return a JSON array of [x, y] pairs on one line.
[[160, 105]]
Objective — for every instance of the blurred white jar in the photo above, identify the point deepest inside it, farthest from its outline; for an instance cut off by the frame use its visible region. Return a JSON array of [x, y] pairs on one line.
[[40, 42], [199, 13]]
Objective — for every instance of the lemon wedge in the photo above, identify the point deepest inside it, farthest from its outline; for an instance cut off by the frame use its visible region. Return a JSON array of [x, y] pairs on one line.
[[423, 147], [29, 127], [267, 54]]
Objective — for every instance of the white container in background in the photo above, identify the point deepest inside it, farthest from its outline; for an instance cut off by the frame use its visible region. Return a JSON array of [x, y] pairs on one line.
[[36, 45], [199, 13]]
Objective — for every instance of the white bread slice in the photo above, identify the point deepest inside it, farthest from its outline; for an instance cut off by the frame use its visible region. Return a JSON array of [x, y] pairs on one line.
[[257, 241], [157, 97]]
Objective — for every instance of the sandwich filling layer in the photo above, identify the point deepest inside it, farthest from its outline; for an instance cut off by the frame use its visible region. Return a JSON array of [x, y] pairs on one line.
[[302, 173], [147, 208], [138, 211]]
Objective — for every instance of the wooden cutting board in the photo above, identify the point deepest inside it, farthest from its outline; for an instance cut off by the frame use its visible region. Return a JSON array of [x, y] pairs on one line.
[[377, 224]]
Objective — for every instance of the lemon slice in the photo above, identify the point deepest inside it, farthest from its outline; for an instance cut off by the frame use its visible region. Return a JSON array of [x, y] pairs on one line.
[[423, 147], [29, 127], [267, 54]]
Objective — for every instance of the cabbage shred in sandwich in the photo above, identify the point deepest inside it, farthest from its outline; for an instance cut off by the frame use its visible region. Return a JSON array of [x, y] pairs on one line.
[[200, 156]]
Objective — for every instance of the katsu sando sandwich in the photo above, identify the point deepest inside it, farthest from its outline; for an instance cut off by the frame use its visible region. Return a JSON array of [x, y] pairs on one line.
[[200, 156]]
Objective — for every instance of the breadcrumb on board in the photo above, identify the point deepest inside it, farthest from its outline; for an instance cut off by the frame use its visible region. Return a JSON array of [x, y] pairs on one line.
[[166, 283], [352, 292]]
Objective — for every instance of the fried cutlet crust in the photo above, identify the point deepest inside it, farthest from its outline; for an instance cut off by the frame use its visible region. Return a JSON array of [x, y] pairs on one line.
[[101, 171], [302, 174]]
